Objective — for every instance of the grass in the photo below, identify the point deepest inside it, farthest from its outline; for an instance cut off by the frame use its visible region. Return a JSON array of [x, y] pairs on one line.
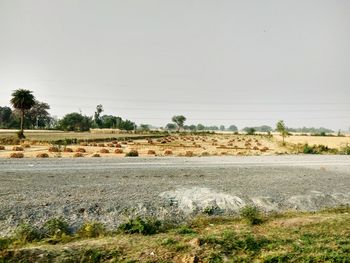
[[290, 237]]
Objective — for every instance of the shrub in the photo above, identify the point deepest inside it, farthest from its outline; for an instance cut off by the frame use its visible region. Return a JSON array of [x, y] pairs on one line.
[[68, 150], [78, 154], [189, 154], [118, 150], [317, 149], [118, 145], [252, 214], [80, 150], [27, 233], [42, 155], [55, 227], [151, 152], [345, 150], [104, 150], [17, 148], [96, 155], [110, 145], [2, 147], [16, 155], [26, 145], [146, 227], [83, 144], [101, 145], [132, 153], [92, 229], [185, 230], [204, 154], [54, 149]]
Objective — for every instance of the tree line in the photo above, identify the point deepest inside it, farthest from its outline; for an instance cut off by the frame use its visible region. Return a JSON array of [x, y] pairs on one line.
[[30, 113]]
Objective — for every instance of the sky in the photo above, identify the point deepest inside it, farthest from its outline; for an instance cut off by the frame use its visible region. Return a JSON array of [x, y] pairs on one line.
[[226, 62]]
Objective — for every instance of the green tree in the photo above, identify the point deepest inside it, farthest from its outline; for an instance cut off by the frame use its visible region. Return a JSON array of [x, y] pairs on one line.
[[200, 127], [233, 128], [5, 117], [179, 120], [75, 122], [145, 127], [249, 130], [170, 126], [38, 115], [281, 128], [97, 115], [22, 100]]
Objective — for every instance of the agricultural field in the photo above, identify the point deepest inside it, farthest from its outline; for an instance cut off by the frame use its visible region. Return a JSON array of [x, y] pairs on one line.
[[330, 141], [70, 144], [172, 145]]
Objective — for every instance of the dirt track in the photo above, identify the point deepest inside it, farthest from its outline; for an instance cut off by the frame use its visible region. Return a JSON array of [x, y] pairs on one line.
[[110, 190]]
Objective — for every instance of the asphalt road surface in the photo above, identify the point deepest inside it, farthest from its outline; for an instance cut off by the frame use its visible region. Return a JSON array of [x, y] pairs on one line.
[[111, 190]]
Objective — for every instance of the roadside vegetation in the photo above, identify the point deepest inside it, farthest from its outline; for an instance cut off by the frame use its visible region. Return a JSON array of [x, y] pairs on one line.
[[253, 237]]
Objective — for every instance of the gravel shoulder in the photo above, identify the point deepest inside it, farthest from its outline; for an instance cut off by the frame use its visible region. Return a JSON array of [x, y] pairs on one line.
[[111, 190]]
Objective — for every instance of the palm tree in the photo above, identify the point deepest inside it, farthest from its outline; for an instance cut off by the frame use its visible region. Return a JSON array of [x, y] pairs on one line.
[[22, 100]]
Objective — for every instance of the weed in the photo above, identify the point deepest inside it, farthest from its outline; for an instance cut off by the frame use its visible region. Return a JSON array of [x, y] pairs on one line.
[[27, 233], [138, 225], [92, 229], [185, 230], [252, 214], [55, 227]]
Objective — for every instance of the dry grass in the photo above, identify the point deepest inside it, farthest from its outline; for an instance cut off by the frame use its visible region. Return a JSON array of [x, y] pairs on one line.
[[17, 148], [16, 155], [332, 142], [67, 150], [42, 155], [118, 151], [54, 149], [151, 152], [80, 150], [104, 150]]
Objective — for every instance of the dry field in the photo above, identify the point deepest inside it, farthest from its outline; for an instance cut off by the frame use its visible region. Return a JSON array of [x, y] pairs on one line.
[[37, 145], [175, 145], [54, 135], [332, 142]]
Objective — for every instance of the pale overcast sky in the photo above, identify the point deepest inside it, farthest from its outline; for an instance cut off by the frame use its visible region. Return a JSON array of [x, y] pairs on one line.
[[247, 62]]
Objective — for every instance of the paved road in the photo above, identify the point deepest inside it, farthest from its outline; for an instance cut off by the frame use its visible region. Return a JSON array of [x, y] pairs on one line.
[[110, 189]]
